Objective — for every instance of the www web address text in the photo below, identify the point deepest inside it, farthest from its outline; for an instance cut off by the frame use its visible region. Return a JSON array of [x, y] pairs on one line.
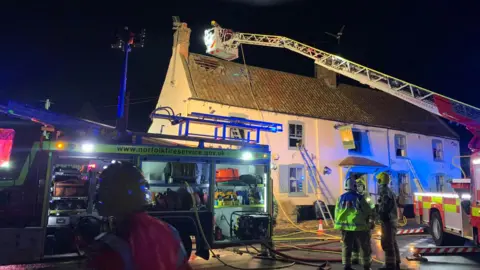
[[169, 151]]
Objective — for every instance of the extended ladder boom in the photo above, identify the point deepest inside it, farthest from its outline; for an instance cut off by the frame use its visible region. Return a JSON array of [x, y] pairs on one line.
[[224, 43]]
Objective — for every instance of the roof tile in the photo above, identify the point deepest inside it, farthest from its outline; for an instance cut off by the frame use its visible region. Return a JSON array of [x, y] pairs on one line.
[[293, 94]]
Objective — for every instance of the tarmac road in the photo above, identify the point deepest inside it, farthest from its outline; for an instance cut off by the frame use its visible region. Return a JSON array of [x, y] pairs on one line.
[[405, 242], [248, 262]]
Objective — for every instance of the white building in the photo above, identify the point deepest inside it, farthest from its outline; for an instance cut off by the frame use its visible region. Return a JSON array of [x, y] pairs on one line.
[[387, 130]]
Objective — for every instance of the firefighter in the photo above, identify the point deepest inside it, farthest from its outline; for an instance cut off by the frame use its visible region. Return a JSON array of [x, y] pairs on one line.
[[352, 214], [402, 199], [362, 190], [387, 214], [140, 241]]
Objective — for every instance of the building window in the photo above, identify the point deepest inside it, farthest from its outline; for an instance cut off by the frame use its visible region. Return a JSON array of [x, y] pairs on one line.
[[237, 133], [400, 145], [437, 147], [295, 135], [357, 138], [440, 181], [296, 180]]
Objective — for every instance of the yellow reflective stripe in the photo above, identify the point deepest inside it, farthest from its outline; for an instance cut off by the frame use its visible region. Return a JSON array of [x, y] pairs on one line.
[[458, 202], [419, 198], [451, 208], [426, 204], [475, 211], [437, 199]]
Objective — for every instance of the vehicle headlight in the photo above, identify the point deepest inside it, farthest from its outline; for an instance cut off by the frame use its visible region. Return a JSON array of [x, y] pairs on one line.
[[87, 147]]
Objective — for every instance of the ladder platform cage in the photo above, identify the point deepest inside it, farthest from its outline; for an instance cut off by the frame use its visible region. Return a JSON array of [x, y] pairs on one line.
[[226, 128]]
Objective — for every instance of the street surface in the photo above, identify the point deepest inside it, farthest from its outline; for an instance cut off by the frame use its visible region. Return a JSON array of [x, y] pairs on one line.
[[247, 261], [405, 242]]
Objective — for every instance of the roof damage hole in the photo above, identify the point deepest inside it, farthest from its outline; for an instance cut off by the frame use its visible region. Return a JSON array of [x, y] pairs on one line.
[[208, 64]]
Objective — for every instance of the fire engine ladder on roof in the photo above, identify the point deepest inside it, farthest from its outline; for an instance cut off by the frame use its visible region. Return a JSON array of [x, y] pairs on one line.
[[224, 43], [416, 179], [320, 188]]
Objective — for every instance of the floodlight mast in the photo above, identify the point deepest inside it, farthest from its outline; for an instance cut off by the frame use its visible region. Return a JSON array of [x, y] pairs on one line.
[[126, 40]]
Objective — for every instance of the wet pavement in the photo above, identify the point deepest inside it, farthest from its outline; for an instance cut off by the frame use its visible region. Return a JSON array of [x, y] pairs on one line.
[[405, 243], [247, 261]]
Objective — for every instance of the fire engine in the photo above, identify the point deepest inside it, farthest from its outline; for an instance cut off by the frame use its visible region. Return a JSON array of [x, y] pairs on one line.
[[48, 186], [451, 216]]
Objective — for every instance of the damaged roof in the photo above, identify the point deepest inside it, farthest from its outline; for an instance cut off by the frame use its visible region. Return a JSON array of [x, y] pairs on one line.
[[226, 83]]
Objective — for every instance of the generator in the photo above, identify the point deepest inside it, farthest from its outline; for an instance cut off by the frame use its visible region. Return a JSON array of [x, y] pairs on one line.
[[251, 226]]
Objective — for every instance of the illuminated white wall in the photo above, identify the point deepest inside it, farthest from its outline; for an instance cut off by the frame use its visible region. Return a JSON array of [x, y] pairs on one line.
[[324, 142], [321, 139]]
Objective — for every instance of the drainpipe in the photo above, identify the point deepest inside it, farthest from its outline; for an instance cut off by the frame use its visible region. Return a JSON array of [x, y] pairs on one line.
[[317, 153], [388, 148], [389, 157]]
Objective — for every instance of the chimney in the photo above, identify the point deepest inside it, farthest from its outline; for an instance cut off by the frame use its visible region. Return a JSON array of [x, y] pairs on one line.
[[181, 40], [328, 76]]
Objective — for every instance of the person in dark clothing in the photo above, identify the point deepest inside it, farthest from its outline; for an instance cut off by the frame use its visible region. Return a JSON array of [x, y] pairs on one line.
[[387, 213], [140, 241]]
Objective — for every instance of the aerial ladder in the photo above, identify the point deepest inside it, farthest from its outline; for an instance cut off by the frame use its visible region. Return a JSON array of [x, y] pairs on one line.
[[324, 197], [224, 43]]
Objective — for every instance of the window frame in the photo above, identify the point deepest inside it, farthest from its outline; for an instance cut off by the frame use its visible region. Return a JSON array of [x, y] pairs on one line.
[[289, 137], [358, 142], [396, 144], [297, 168], [439, 176], [436, 150], [243, 132]]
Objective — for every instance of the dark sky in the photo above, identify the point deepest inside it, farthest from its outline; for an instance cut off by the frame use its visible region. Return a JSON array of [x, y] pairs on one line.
[[61, 49]]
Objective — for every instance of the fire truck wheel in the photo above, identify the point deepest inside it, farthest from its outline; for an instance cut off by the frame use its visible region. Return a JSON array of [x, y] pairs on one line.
[[440, 237], [187, 243], [436, 226]]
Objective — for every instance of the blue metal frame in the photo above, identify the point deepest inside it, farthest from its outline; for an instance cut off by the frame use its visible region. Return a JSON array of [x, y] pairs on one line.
[[49, 118], [221, 124]]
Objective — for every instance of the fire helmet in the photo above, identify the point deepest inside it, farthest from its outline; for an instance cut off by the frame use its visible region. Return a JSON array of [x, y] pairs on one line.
[[122, 190], [383, 178], [361, 185], [350, 184]]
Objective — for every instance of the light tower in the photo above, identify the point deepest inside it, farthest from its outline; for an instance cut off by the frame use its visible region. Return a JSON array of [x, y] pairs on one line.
[[126, 40]]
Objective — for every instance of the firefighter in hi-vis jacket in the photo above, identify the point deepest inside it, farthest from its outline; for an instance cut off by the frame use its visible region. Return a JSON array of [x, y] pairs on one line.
[[352, 217]]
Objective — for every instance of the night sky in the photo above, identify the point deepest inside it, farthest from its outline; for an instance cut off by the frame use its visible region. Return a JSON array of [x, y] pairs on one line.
[[61, 49]]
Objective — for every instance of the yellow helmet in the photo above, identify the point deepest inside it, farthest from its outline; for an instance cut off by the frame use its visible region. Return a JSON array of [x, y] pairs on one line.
[[361, 185], [213, 23], [383, 178], [361, 181]]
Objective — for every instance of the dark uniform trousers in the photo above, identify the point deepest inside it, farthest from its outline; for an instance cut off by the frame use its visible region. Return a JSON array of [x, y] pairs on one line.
[[360, 238], [389, 245]]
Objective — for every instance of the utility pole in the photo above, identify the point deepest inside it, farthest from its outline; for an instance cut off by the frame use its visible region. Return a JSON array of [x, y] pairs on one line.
[[127, 108], [126, 40]]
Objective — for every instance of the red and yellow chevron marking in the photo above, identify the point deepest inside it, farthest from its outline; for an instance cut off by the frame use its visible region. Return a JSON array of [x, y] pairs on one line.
[[444, 250], [410, 231]]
